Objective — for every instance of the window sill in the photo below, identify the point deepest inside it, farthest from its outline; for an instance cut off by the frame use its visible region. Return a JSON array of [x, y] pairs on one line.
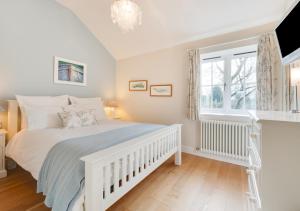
[[222, 116]]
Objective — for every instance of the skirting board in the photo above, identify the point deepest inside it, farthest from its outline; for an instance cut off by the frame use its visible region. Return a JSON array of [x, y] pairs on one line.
[[193, 151]]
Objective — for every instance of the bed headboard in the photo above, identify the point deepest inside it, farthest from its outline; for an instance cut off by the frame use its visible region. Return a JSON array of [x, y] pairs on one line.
[[13, 118]]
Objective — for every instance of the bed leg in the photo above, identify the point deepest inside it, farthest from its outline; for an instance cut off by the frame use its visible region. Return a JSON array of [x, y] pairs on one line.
[[93, 188], [178, 153], [178, 158]]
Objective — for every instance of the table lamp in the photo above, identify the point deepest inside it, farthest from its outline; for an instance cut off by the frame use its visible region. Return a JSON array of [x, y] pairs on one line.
[[295, 81], [2, 109], [112, 105]]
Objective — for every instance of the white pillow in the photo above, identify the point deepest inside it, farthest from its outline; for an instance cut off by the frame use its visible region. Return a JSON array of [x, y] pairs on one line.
[[77, 100], [90, 103], [76, 116], [38, 117], [43, 100], [62, 100]]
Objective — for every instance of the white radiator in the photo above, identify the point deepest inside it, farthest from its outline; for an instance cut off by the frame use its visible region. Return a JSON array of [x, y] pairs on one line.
[[224, 140]]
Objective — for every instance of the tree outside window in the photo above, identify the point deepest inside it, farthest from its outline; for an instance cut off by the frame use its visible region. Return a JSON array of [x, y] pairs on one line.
[[228, 80]]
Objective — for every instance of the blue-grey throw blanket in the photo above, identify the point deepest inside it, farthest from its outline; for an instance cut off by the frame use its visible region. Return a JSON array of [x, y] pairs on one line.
[[62, 175]]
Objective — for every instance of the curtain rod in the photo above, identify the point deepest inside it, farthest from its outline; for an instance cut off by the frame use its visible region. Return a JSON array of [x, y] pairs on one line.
[[225, 43]]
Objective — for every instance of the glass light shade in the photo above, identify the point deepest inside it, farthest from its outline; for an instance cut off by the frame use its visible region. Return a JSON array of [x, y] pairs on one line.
[[295, 76], [127, 14]]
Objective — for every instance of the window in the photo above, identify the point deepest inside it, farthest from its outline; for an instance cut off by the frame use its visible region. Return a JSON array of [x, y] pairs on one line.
[[228, 80]]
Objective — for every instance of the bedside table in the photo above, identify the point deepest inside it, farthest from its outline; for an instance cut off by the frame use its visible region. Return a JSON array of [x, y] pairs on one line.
[[3, 172]]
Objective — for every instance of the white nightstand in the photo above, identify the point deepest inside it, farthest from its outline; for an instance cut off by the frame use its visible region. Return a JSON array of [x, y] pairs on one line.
[[3, 172]]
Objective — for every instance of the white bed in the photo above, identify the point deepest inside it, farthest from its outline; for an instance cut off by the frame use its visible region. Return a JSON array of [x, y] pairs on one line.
[[29, 149]]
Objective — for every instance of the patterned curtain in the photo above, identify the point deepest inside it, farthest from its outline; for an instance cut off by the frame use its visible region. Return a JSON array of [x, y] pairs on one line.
[[194, 84], [268, 71]]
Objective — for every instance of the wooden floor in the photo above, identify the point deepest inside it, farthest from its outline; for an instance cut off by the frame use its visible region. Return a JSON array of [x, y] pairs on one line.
[[198, 185]]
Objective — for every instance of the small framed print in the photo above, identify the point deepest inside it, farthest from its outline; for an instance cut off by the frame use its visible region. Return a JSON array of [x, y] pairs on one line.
[[138, 85], [69, 72], [163, 90]]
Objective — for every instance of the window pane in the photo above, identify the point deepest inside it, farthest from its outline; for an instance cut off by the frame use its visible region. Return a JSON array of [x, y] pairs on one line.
[[212, 73], [206, 97], [250, 70], [250, 96], [206, 74], [217, 96], [237, 70], [228, 79], [218, 72], [237, 97], [243, 71]]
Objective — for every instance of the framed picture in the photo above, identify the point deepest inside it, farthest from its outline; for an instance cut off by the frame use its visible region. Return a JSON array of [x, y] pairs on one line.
[[163, 90], [138, 85], [69, 72]]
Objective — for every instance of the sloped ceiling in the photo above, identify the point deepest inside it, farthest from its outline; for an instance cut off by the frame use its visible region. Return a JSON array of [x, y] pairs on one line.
[[167, 23]]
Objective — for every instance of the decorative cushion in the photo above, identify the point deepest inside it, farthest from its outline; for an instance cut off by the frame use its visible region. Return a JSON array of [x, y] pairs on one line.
[[70, 119], [75, 116], [90, 103]]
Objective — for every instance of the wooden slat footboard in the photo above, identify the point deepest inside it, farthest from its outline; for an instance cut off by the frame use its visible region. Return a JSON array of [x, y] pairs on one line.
[[111, 173]]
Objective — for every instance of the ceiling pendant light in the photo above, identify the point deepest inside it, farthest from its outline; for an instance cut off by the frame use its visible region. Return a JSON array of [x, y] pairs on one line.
[[127, 14]]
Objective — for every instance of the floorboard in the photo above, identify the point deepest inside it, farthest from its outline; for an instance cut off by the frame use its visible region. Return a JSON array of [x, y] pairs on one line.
[[200, 184]]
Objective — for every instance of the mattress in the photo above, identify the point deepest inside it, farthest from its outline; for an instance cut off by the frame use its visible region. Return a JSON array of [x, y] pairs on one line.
[[30, 148]]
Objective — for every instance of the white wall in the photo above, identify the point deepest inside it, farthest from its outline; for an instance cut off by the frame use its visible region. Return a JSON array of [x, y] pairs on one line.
[[169, 66], [32, 32]]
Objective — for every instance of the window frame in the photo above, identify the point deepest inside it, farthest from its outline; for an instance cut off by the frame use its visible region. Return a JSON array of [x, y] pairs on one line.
[[226, 56]]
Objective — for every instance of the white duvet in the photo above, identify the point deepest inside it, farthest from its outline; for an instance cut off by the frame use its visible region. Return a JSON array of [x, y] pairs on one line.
[[30, 148]]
